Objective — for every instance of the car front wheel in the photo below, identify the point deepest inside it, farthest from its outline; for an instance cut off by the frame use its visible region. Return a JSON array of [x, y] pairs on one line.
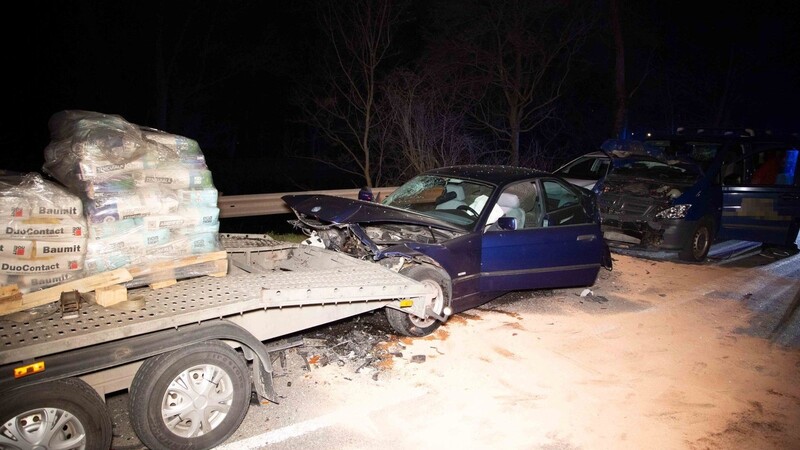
[[699, 242], [411, 325]]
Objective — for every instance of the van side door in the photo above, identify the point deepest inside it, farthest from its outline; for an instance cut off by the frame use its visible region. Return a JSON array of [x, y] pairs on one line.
[[761, 196]]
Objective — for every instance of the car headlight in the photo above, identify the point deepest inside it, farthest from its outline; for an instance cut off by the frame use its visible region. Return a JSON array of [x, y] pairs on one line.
[[675, 212], [332, 238]]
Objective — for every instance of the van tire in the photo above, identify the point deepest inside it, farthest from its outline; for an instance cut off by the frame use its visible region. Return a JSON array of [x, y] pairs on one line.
[[699, 242]]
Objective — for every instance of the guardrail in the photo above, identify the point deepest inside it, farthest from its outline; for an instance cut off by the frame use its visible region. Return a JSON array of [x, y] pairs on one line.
[[268, 204]]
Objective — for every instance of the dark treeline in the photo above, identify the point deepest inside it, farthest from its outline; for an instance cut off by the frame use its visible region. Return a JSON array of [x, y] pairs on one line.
[[327, 94]]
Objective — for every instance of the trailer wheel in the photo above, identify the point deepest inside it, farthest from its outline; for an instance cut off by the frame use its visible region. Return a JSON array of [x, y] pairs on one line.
[[411, 325], [191, 398], [66, 414], [699, 242]]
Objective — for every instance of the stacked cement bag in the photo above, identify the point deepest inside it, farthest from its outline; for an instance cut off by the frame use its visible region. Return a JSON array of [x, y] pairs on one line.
[[43, 240], [148, 195]]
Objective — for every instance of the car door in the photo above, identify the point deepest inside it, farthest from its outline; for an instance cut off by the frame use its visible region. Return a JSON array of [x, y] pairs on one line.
[[557, 245], [761, 196]]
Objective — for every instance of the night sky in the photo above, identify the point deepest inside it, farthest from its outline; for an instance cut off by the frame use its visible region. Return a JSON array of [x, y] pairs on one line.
[[232, 66]]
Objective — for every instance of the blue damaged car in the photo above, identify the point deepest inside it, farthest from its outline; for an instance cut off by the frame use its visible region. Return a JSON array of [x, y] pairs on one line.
[[472, 232]]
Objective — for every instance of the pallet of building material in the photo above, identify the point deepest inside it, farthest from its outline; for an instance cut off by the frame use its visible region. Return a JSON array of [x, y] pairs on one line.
[[13, 303], [164, 273]]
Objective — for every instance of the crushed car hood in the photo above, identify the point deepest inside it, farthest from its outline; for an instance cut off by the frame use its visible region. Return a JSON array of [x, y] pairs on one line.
[[340, 210]]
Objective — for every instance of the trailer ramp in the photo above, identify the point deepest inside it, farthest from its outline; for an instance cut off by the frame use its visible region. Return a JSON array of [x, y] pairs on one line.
[[321, 287]]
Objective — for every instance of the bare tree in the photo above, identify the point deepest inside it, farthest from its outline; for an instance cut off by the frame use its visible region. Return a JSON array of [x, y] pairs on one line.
[[520, 53], [729, 90], [193, 57], [686, 94], [622, 95], [422, 126], [620, 91], [359, 34]]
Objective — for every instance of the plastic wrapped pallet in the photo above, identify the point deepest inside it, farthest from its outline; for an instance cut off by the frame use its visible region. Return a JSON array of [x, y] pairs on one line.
[[187, 150], [148, 195], [43, 239]]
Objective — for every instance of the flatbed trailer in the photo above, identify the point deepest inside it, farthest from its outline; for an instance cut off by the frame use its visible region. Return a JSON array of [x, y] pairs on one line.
[[168, 347]]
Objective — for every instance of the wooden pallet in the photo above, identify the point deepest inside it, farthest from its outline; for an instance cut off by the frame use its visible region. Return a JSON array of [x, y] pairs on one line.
[[41, 297], [110, 287]]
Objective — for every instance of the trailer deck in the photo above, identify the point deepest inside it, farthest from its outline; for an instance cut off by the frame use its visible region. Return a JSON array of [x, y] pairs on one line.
[[322, 286]]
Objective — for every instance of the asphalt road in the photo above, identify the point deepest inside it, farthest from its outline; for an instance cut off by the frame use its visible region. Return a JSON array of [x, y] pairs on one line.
[[294, 423]]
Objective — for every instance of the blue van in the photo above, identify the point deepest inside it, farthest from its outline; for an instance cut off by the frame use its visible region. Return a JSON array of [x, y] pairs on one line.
[[704, 188]]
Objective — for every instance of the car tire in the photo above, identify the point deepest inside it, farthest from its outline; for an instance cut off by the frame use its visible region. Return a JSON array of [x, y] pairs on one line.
[[171, 401], [699, 242], [411, 325], [65, 413]]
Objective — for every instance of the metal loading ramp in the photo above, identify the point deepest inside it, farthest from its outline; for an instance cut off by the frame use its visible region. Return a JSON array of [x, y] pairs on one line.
[[268, 305]]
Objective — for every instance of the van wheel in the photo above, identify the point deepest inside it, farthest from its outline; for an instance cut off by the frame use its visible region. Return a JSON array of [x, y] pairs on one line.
[[699, 242], [64, 413], [411, 325], [194, 397]]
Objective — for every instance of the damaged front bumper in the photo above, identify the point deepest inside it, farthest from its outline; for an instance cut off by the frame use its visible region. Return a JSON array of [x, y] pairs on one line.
[[658, 234]]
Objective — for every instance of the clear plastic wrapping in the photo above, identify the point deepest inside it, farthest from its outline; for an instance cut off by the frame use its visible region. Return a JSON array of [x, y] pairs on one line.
[[43, 239], [148, 195]]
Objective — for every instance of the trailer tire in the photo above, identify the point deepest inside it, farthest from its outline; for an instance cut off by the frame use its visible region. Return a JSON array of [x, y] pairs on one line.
[[73, 409], [410, 325], [173, 406]]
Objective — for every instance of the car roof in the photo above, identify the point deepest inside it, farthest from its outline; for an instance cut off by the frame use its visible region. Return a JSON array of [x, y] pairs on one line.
[[594, 154], [614, 154], [699, 137], [494, 174]]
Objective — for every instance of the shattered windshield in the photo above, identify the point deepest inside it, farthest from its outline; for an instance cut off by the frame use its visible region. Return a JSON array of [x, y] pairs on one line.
[[452, 200], [652, 169]]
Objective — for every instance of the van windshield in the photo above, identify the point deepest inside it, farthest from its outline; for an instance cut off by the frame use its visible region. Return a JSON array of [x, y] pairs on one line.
[[656, 170], [697, 152]]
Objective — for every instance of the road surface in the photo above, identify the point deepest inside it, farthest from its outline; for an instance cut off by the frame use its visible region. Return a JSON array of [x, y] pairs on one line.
[[658, 354]]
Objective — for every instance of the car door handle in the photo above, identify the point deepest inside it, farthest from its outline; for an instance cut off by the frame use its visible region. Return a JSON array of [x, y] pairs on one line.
[[586, 237], [790, 197]]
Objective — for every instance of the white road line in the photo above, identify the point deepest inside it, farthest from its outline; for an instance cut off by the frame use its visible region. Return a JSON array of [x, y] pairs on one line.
[[311, 425]]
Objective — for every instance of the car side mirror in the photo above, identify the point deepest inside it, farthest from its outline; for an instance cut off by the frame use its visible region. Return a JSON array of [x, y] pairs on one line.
[[507, 223]]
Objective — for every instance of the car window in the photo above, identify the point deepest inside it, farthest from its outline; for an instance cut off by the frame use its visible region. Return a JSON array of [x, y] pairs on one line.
[[445, 198], [773, 167], [522, 202], [562, 205], [769, 166], [733, 169], [585, 168]]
